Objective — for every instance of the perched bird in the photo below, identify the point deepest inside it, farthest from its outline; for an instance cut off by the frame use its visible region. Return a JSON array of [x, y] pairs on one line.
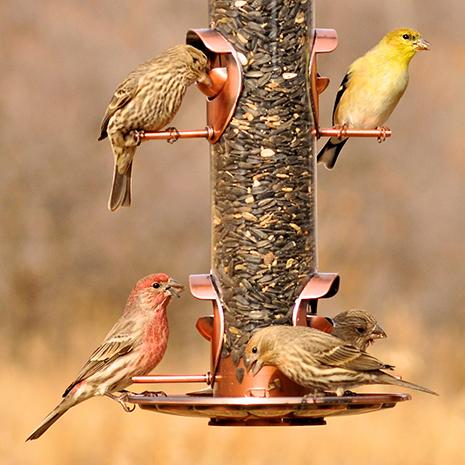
[[356, 327], [134, 346], [372, 87], [317, 360], [147, 100]]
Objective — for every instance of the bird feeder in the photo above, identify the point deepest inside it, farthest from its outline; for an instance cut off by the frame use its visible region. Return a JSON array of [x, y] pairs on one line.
[[262, 123]]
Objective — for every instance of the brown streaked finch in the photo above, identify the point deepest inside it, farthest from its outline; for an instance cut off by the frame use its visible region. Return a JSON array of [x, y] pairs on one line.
[[356, 327], [134, 346], [147, 100], [317, 361]]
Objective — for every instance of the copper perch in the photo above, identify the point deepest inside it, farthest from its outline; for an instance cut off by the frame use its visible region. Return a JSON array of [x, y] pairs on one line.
[[380, 133], [203, 378], [172, 134]]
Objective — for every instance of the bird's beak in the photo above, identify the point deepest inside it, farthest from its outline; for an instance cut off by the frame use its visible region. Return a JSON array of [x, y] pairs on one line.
[[254, 366], [174, 288], [205, 80], [378, 333], [422, 44]]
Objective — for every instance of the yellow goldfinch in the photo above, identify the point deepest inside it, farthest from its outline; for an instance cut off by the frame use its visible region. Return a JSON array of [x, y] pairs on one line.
[[372, 87]]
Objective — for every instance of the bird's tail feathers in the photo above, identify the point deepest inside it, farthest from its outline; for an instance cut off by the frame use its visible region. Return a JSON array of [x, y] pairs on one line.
[[121, 189], [329, 153], [385, 378], [51, 418]]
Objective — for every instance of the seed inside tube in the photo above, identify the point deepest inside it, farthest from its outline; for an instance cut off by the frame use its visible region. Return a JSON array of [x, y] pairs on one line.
[[263, 245]]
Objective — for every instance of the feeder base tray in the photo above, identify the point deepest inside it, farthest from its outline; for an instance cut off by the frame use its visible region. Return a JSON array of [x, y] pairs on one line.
[[272, 411]]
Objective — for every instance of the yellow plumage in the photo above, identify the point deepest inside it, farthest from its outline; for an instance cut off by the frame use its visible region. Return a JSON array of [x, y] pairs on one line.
[[372, 87]]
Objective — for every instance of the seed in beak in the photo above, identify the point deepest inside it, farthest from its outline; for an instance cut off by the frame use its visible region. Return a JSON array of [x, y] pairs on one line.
[[378, 333], [422, 44]]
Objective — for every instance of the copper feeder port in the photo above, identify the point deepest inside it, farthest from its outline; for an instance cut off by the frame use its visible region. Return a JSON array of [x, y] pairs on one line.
[[225, 74], [324, 41]]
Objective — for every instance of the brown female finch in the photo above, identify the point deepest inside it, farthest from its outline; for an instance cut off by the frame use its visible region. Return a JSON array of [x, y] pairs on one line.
[[356, 327], [147, 100], [134, 346], [317, 360]]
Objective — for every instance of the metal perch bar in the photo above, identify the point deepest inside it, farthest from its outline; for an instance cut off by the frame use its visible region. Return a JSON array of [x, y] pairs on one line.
[[203, 378], [173, 134], [381, 133]]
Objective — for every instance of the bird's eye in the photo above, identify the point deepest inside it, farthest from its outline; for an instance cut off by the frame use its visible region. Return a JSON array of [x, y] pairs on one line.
[[406, 36], [156, 285], [360, 330], [254, 350]]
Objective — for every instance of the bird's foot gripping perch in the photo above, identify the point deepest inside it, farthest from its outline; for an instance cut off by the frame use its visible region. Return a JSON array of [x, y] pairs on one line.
[[174, 135], [342, 132], [122, 399], [382, 133], [154, 394], [311, 397], [138, 137]]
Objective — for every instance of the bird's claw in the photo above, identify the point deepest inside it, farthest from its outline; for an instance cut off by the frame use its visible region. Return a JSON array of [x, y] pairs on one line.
[[126, 407], [275, 385], [312, 395], [382, 134], [139, 135], [154, 394], [342, 132], [174, 135], [122, 399], [348, 393]]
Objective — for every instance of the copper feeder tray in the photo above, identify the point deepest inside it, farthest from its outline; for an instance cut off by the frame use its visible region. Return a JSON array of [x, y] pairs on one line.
[[274, 411]]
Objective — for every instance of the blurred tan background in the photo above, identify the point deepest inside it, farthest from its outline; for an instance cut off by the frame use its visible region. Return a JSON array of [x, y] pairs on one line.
[[391, 222]]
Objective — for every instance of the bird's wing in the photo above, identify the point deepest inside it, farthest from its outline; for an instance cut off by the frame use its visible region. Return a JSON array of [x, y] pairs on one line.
[[123, 94], [335, 354], [340, 92], [118, 342]]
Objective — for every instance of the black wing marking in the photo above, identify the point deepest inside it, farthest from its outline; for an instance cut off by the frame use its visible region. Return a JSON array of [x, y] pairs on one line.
[[340, 92]]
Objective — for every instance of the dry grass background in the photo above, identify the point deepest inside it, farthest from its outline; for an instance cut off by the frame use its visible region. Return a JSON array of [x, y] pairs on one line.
[[391, 222]]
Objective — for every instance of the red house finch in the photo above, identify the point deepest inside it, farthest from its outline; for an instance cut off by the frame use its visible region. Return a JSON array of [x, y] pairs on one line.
[[147, 100], [134, 346], [356, 327], [317, 360]]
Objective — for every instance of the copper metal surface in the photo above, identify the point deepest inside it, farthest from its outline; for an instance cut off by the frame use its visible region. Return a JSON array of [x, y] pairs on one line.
[[324, 41], [234, 379], [268, 382], [173, 134], [218, 77], [226, 76], [204, 326], [321, 323], [320, 286], [380, 133], [202, 288], [204, 378], [274, 411]]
